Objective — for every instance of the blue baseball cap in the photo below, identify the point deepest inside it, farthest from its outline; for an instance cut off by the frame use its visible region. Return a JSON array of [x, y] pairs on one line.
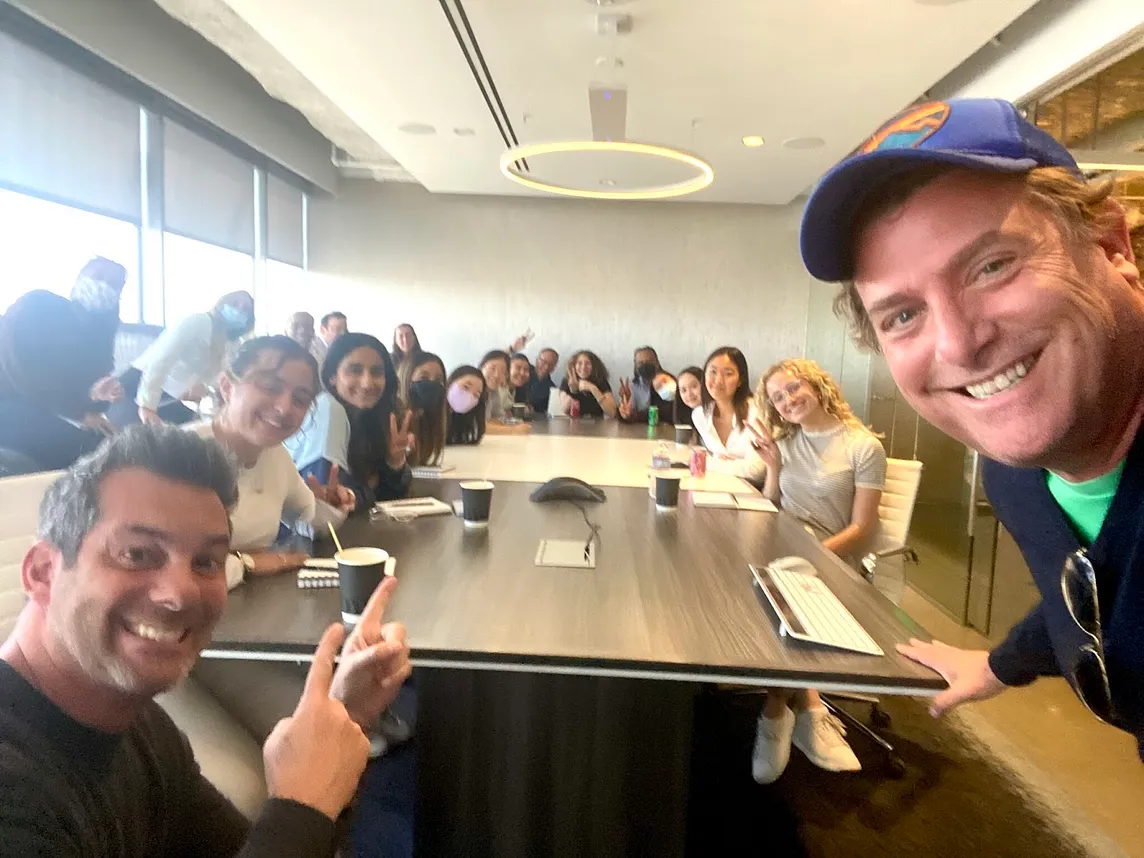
[[979, 133]]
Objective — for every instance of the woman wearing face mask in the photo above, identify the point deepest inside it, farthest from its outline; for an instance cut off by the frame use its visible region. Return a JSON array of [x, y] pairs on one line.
[[587, 384], [465, 396], [643, 391], [827, 469], [422, 381], [181, 363], [266, 393], [405, 345], [56, 356], [722, 420], [689, 396], [354, 424]]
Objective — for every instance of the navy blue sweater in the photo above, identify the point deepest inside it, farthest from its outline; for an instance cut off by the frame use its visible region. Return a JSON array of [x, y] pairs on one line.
[[1046, 641]]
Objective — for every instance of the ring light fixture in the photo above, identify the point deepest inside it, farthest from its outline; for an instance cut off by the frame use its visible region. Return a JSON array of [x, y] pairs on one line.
[[704, 176]]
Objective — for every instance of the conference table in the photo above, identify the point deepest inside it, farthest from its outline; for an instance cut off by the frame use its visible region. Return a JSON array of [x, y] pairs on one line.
[[555, 705]]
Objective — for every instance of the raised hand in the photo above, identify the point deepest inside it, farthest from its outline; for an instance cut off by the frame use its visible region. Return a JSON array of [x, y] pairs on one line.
[[375, 661], [573, 381], [316, 756], [765, 444], [625, 405], [401, 441], [967, 672], [333, 493], [107, 389]]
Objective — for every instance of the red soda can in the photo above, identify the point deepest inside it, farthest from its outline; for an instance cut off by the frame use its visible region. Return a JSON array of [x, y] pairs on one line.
[[575, 408], [698, 462]]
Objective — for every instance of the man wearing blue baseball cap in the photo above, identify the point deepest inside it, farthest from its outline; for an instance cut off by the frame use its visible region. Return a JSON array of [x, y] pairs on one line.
[[1001, 288]]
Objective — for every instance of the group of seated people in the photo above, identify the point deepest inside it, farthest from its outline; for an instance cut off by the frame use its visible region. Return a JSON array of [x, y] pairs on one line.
[[320, 425]]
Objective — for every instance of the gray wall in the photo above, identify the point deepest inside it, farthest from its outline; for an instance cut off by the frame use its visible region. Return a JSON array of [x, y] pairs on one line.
[[472, 272], [142, 40]]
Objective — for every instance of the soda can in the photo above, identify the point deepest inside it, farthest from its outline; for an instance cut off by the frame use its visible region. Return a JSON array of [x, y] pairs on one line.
[[653, 416], [698, 462], [575, 408]]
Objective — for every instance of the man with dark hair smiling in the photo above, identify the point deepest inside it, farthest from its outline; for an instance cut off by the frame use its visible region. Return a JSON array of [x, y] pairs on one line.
[[1002, 289], [125, 586]]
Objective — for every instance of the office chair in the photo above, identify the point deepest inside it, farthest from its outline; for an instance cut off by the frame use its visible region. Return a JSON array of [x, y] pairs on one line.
[[885, 567]]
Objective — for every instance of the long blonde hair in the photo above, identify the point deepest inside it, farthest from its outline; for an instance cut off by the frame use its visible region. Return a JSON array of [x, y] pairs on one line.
[[825, 389]]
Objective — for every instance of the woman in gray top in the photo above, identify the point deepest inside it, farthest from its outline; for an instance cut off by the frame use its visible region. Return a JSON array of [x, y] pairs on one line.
[[828, 469]]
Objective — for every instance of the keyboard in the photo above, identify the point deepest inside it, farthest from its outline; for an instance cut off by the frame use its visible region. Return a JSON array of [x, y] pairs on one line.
[[807, 609]]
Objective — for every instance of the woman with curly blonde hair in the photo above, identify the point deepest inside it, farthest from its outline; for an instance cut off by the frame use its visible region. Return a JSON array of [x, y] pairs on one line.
[[826, 468]]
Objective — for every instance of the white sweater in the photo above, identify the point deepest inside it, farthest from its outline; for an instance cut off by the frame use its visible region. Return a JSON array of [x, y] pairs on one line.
[[269, 492]]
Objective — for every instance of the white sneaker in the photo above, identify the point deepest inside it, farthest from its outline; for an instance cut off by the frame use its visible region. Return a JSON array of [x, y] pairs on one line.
[[772, 747], [819, 735]]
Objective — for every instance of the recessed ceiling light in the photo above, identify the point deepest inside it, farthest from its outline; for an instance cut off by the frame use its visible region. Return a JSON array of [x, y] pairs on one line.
[[937, 2], [464, 132], [753, 140], [417, 128], [608, 183], [804, 143]]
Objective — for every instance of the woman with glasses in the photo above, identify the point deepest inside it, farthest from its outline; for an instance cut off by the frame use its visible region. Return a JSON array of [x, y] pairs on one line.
[[828, 469], [722, 418], [355, 427], [266, 393]]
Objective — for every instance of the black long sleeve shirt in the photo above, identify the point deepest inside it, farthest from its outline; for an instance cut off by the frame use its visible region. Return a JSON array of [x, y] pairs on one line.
[[70, 791]]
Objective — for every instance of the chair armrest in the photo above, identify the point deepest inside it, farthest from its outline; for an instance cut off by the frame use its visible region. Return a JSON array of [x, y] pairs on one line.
[[870, 561]]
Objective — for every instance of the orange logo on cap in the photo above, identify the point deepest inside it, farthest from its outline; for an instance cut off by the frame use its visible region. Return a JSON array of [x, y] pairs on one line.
[[909, 128]]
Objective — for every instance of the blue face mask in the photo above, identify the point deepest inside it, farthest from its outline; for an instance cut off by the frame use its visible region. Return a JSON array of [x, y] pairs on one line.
[[237, 321]]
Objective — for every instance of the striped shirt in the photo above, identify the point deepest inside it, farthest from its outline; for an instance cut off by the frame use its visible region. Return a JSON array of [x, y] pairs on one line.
[[821, 470]]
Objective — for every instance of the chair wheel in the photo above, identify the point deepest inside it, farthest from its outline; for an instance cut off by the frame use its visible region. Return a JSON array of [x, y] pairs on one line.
[[895, 768], [879, 718]]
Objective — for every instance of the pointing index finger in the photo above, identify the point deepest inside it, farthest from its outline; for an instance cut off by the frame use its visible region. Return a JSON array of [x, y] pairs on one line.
[[375, 607], [321, 674]]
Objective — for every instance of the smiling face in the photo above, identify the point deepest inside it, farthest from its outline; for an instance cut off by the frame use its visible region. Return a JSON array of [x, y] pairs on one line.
[[519, 371], [405, 338], [268, 404], [722, 378], [360, 378], [690, 390], [147, 587], [472, 383], [973, 293], [793, 398], [546, 362], [583, 367], [494, 372]]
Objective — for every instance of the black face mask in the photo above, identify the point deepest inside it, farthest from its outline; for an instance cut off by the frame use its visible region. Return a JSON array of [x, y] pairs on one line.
[[426, 394], [646, 371]]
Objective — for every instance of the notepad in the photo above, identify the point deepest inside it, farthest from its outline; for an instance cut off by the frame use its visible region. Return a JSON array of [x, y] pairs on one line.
[[566, 554], [431, 472], [413, 508], [726, 500]]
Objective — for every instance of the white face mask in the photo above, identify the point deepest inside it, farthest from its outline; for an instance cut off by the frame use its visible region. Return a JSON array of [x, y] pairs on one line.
[[666, 390]]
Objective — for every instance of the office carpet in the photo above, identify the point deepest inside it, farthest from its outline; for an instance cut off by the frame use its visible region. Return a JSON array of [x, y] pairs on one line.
[[959, 797]]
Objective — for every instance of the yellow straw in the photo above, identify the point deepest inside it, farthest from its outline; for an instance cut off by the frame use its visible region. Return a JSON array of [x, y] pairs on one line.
[[334, 534]]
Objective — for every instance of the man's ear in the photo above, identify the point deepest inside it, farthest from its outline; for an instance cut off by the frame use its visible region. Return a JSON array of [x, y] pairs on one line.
[[1115, 241], [225, 386], [41, 565]]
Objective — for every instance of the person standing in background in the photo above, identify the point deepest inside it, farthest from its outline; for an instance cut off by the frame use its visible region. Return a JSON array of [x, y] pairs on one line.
[[405, 345], [300, 329], [56, 358], [333, 325], [181, 363]]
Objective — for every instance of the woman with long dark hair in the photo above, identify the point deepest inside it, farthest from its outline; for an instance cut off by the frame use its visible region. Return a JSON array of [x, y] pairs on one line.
[[422, 381], [722, 420], [587, 384], [355, 424], [465, 394]]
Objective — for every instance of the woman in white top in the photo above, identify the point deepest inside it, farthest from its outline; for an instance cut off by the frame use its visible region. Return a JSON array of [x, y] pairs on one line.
[[722, 420], [181, 363], [266, 393], [826, 468]]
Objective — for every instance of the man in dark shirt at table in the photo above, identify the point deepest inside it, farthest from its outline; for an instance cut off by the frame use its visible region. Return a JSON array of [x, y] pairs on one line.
[[1002, 289], [125, 585]]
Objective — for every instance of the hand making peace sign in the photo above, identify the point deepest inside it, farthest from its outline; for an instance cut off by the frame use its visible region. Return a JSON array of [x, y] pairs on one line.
[[401, 441]]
